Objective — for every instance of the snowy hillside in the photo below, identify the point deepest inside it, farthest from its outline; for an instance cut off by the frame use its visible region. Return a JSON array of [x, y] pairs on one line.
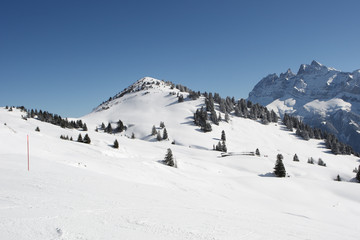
[[324, 97], [94, 191]]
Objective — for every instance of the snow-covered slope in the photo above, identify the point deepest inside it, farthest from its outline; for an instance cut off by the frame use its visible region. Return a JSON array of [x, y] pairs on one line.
[[79, 191], [324, 97]]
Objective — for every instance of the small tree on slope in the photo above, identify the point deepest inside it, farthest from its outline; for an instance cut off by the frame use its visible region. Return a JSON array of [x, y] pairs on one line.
[[116, 144], [169, 158], [87, 139], [279, 169]]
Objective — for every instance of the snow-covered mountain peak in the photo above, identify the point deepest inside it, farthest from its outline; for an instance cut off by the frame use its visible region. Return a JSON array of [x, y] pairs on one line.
[[287, 74], [315, 83], [314, 67]]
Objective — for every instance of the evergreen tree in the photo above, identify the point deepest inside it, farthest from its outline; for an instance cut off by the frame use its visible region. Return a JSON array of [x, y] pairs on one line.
[[109, 128], [358, 175], [279, 169], [257, 152], [311, 160], [223, 136], [133, 136], [338, 178], [153, 131], [116, 144], [169, 158], [295, 158], [180, 98], [85, 127], [120, 126], [80, 138], [165, 134], [71, 138], [214, 118], [102, 126], [162, 124], [37, 129], [87, 139], [321, 162]]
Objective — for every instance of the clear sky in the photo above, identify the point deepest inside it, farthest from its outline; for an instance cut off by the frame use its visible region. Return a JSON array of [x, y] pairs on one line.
[[67, 56]]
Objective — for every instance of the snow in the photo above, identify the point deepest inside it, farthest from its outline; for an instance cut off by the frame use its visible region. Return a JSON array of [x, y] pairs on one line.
[[79, 191], [324, 107]]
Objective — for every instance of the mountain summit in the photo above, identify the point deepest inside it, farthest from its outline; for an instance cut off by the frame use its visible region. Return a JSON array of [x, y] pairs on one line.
[[323, 97]]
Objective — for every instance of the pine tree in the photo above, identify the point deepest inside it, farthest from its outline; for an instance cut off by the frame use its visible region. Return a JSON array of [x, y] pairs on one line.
[[87, 139], [223, 136], [80, 138], [133, 136], [102, 126], [321, 162], [37, 129], [116, 144], [295, 158], [338, 178], [165, 134], [109, 128], [279, 169], [120, 126], [85, 127], [169, 158], [153, 131], [358, 175], [257, 152], [162, 124]]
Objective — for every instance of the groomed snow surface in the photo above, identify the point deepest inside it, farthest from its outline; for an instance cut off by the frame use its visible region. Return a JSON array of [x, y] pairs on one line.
[[79, 191]]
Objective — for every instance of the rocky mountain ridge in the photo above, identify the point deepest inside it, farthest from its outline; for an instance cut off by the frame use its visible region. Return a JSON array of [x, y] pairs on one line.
[[323, 97]]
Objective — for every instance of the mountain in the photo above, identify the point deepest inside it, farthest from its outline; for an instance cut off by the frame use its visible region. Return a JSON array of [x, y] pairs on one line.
[[95, 191], [323, 97]]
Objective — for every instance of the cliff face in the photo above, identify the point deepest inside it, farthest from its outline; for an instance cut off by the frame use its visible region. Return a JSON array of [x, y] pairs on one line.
[[323, 97]]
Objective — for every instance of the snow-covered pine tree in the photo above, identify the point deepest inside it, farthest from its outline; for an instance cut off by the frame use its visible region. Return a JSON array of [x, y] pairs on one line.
[[223, 136], [37, 129], [87, 139], [109, 128], [296, 158], [80, 138], [169, 158], [279, 169], [165, 134], [120, 126], [257, 152], [116, 144]]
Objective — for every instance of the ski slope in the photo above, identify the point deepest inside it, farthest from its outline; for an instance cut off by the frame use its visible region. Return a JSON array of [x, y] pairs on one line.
[[79, 191]]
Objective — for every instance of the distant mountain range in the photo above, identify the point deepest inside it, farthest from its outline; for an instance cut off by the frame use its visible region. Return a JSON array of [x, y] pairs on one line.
[[323, 97]]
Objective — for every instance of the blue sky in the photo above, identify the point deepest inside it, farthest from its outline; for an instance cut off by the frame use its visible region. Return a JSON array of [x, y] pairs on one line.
[[67, 57]]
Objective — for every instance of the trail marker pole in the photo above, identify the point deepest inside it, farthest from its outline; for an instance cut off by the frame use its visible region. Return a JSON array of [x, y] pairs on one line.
[[28, 156]]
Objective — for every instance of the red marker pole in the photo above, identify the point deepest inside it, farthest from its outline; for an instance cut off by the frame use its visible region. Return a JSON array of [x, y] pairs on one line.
[[28, 157]]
